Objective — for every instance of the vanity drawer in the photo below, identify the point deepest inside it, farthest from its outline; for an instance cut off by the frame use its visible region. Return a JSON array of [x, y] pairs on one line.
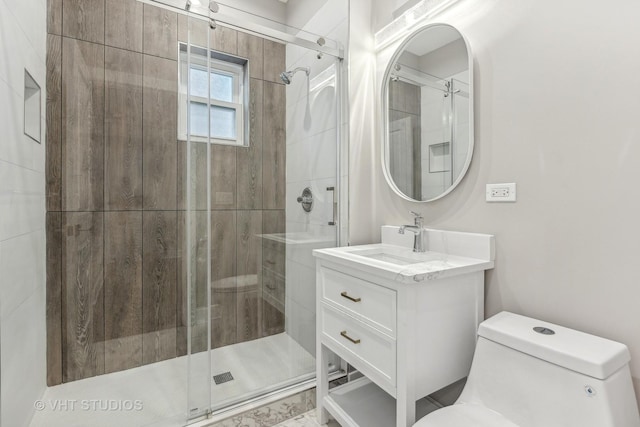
[[370, 303], [350, 337]]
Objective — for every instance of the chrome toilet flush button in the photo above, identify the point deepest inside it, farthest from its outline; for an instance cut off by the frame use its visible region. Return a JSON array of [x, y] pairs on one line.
[[590, 391], [544, 331]]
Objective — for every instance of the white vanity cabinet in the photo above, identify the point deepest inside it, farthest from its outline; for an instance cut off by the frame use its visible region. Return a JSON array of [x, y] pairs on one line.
[[406, 321]]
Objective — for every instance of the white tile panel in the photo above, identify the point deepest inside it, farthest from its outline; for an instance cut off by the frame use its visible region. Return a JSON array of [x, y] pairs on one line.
[[23, 360]]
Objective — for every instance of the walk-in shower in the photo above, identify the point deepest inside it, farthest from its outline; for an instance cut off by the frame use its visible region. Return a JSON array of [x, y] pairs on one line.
[[179, 262]]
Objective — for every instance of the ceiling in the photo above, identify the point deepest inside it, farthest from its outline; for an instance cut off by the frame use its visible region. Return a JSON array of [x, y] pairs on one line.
[[432, 39]]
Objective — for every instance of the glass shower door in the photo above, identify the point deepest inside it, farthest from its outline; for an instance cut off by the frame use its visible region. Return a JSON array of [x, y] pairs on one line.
[[195, 160], [460, 123], [253, 144]]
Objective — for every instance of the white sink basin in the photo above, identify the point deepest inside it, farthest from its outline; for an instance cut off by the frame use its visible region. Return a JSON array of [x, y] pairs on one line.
[[449, 253], [397, 255], [385, 257]]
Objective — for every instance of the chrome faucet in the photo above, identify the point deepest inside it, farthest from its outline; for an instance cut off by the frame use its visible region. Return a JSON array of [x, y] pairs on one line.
[[417, 229]]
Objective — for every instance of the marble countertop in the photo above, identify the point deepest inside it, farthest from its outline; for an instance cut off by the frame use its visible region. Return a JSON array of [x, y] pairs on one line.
[[428, 265], [449, 253]]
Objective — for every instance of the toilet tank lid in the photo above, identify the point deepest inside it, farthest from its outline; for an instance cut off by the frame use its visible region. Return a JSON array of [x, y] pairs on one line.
[[587, 354]]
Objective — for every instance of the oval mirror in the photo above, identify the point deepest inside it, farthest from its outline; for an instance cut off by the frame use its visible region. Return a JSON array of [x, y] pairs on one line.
[[428, 111]]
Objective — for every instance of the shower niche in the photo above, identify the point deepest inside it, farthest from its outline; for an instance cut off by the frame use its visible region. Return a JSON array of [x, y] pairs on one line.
[[32, 102]]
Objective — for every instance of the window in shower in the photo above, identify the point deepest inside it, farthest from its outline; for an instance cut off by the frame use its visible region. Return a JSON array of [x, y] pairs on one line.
[[213, 97]]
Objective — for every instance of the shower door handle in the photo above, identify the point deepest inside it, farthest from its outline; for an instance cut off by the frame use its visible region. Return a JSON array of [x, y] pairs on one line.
[[335, 205]]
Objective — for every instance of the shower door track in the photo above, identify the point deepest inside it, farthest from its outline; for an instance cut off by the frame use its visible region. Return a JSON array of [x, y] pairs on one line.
[[252, 27], [259, 401]]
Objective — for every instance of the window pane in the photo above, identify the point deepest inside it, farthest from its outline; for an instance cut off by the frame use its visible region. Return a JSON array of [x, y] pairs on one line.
[[223, 122], [222, 87], [198, 119], [198, 85]]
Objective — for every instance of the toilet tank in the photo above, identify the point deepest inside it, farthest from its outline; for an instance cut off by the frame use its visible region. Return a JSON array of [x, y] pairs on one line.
[[561, 379]]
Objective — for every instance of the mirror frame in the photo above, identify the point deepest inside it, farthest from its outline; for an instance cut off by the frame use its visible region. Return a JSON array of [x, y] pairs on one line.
[[385, 113]]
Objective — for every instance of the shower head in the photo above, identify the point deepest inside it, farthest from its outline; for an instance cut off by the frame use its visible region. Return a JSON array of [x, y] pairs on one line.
[[287, 76]]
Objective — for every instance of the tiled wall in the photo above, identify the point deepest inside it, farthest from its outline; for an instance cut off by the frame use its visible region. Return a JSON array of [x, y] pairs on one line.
[[406, 162], [22, 215], [116, 180], [434, 131]]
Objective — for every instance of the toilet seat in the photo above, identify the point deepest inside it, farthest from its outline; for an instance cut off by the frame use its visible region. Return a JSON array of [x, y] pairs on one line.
[[464, 415]]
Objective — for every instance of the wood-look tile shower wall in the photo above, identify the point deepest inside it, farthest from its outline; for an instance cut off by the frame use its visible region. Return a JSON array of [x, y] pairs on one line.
[[116, 204]]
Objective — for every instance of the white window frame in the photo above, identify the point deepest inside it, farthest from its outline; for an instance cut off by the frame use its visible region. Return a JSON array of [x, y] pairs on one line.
[[219, 66]]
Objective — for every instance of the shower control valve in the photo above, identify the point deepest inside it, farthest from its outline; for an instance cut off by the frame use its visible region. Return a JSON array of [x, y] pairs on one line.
[[306, 199]]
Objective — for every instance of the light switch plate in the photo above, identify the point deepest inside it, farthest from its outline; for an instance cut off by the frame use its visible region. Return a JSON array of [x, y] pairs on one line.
[[501, 192]]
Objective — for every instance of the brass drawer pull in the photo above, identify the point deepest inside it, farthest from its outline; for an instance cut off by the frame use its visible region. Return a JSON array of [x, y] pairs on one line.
[[344, 294], [344, 334]]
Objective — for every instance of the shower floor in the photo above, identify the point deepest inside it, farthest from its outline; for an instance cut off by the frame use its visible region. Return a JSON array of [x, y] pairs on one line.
[[261, 365]]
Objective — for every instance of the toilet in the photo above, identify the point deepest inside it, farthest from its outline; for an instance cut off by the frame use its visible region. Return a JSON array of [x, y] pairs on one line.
[[529, 373]]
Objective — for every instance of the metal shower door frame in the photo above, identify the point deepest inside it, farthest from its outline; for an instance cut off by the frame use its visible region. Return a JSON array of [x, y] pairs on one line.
[[339, 200]]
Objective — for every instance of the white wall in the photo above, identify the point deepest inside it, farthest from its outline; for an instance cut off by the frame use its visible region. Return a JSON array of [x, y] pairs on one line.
[[312, 133], [300, 13], [446, 61], [385, 10], [363, 184], [274, 10], [22, 217], [557, 107]]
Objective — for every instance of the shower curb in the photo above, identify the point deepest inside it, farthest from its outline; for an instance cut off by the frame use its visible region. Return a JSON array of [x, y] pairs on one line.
[[271, 410]]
